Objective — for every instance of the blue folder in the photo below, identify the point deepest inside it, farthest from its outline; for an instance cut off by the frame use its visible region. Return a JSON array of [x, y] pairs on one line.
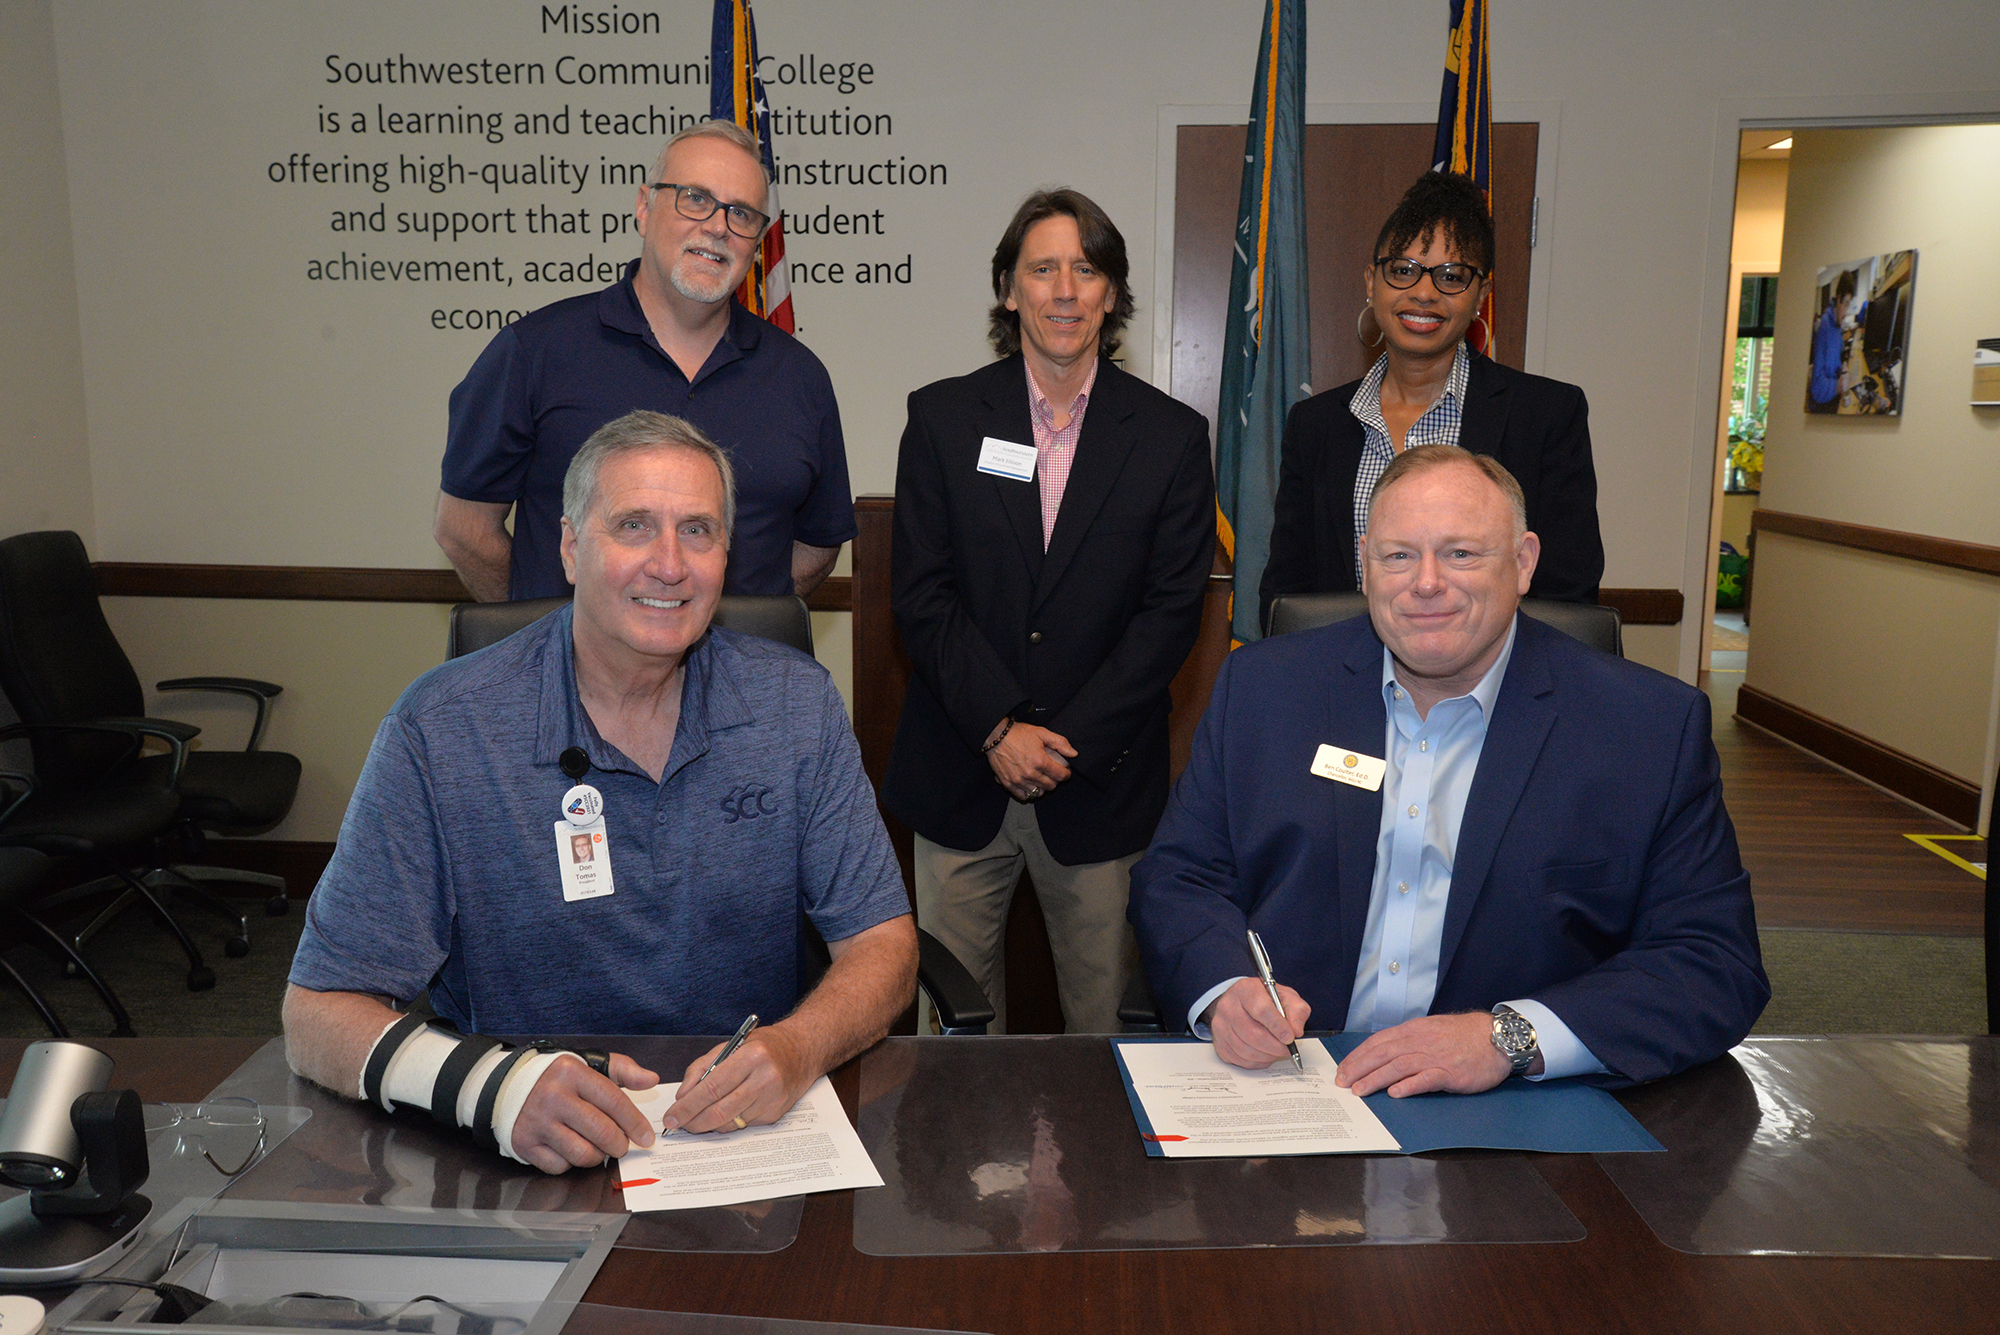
[[1549, 1116]]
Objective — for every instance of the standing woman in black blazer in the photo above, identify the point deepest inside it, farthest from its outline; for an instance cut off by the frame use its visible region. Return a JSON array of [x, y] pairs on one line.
[[1433, 265]]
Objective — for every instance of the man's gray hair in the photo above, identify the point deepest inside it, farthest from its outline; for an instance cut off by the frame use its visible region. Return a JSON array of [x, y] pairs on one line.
[[729, 130], [639, 432], [1423, 458]]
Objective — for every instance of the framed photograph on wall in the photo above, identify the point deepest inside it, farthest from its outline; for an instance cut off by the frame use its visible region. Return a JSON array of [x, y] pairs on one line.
[[1860, 333], [1986, 373]]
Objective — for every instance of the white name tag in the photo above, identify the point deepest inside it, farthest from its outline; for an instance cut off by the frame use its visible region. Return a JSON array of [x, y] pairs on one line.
[[1349, 767], [583, 857], [1003, 458]]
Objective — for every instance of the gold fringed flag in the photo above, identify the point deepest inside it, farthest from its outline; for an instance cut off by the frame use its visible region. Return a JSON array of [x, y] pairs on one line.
[[1465, 127]]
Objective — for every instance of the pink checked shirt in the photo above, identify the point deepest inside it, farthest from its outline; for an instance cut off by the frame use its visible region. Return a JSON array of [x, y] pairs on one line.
[[1055, 450]]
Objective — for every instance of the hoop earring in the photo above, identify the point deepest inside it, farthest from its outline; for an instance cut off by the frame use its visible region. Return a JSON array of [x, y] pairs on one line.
[[1486, 339], [1359, 320]]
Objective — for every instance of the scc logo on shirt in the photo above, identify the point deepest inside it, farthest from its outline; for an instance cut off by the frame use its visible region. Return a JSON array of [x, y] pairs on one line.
[[747, 802]]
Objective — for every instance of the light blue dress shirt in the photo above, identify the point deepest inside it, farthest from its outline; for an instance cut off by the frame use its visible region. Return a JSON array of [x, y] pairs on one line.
[[1431, 762]]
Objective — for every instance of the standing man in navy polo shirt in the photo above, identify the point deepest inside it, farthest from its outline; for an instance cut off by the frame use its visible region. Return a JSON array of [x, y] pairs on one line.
[[666, 337]]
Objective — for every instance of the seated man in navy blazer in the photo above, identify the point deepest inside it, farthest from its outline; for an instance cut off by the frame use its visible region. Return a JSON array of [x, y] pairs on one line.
[[1494, 850]]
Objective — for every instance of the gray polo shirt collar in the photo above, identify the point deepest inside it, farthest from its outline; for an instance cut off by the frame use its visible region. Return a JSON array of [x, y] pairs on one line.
[[710, 702]]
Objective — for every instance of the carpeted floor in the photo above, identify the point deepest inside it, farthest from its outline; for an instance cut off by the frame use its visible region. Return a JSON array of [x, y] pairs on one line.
[[146, 968], [1873, 983], [1821, 982]]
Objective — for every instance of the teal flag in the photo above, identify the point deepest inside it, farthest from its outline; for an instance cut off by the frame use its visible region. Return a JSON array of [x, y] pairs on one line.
[[1267, 354]]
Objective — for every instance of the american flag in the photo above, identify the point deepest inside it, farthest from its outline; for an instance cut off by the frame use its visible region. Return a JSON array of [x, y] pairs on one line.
[[737, 94], [1465, 127]]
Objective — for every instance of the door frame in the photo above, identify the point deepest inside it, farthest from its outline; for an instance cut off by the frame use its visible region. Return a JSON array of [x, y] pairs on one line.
[[1733, 115]]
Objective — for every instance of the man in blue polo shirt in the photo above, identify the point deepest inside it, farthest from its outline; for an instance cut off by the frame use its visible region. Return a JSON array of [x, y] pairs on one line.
[[666, 337], [724, 795]]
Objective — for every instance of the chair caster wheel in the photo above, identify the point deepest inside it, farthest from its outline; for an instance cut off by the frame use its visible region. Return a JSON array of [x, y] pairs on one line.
[[201, 979], [236, 947], [277, 906]]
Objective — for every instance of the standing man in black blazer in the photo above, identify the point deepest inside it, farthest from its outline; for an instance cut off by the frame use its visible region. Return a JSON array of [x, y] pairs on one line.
[[1055, 523]]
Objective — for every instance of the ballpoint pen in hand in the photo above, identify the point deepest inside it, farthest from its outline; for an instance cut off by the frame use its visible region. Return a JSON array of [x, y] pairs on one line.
[[1263, 960], [729, 1048]]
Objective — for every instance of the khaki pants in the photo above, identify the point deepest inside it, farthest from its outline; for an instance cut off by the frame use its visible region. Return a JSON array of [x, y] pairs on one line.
[[963, 898]]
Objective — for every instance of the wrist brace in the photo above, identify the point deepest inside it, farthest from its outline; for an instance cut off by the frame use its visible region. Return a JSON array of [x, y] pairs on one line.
[[466, 1081]]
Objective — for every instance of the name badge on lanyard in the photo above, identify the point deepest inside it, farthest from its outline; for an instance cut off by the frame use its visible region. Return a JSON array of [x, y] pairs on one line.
[[583, 854]]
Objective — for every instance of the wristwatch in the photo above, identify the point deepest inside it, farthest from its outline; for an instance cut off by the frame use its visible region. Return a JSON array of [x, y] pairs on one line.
[[1515, 1038]]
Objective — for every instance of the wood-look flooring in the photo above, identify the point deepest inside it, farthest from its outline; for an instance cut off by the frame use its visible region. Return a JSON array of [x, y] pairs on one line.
[[1827, 851]]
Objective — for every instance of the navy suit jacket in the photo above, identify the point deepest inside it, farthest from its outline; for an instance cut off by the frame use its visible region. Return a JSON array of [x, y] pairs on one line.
[[1596, 868], [1083, 639], [1539, 428]]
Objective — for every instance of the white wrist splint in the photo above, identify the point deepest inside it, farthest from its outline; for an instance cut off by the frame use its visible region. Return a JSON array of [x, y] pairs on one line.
[[466, 1081]]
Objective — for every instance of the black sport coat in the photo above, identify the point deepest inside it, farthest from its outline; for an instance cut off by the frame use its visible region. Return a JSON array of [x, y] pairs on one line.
[[1538, 428], [1084, 640]]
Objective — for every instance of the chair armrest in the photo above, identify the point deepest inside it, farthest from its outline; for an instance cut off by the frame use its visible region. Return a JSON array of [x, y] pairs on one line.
[[1137, 1010], [962, 1008], [27, 783], [263, 692], [171, 731], [176, 735]]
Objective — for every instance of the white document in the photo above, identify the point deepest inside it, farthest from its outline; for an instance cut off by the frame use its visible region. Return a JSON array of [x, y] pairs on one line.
[[1201, 1107], [811, 1148]]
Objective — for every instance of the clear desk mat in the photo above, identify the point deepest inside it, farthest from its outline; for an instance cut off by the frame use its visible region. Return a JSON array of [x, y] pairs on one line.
[[1024, 1144], [355, 1153], [192, 1156], [1857, 1146], [589, 1319]]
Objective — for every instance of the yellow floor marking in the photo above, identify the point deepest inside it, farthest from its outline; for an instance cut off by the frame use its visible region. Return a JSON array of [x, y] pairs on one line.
[[1932, 842]]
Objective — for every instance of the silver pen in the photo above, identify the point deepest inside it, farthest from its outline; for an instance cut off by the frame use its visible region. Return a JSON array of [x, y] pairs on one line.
[[729, 1048], [1263, 959]]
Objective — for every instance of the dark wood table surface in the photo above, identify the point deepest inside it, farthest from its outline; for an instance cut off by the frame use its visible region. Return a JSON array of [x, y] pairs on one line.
[[1618, 1278]]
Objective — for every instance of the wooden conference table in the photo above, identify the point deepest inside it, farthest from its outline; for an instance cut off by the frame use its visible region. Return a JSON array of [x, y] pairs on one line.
[[1845, 1144]]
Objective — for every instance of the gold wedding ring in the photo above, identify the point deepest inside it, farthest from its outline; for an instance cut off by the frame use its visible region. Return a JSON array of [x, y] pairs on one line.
[[740, 1123]]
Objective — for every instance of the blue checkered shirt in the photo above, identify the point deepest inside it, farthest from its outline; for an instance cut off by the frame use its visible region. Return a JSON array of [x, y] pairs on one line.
[[1437, 426]]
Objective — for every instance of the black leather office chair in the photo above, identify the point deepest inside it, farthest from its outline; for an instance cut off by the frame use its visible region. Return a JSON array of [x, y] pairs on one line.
[[962, 1008], [1598, 627], [60, 665], [777, 617], [23, 871]]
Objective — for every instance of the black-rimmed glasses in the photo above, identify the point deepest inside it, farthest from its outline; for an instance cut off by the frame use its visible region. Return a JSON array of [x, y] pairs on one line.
[[1450, 278], [694, 202]]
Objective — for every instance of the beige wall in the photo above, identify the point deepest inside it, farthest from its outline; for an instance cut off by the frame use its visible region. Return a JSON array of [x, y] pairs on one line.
[[1897, 651], [342, 665], [1757, 242], [44, 456], [1854, 193]]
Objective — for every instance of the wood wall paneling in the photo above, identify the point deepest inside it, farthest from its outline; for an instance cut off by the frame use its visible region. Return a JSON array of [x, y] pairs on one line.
[[1923, 547], [1918, 780], [142, 579]]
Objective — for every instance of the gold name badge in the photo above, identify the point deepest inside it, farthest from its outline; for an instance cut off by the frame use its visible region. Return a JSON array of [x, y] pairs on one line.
[[1349, 767]]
